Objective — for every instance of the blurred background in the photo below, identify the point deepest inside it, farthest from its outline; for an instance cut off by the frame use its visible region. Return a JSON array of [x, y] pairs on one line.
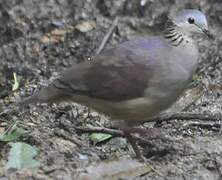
[[40, 38]]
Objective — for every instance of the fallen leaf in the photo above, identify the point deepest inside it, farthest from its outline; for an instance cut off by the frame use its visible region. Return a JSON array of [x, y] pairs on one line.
[[21, 156], [17, 80], [86, 26], [11, 136], [56, 35], [12, 133], [99, 137], [2, 130], [35, 48]]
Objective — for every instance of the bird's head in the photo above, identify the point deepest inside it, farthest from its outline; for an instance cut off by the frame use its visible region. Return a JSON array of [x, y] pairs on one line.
[[192, 20]]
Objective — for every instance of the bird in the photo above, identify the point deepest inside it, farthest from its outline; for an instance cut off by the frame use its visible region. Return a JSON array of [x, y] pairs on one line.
[[136, 79]]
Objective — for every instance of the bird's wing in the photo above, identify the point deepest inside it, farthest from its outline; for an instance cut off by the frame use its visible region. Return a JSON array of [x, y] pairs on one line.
[[117, 74]]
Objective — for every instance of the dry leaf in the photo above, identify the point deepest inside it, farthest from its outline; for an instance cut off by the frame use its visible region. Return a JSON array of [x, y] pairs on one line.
[[56, 35], [35, 48], [2, 130], [86, 26]]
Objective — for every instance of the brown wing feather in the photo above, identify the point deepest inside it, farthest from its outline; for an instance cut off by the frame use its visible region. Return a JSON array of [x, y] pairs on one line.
[[116, 74]]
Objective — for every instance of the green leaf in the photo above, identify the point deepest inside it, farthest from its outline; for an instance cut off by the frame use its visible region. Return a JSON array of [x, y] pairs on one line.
[[21, 156], [13, 133], [17, 80], [195, 77], [99, 137]]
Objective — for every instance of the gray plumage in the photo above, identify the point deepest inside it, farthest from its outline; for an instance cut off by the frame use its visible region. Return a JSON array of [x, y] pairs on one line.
[[136, 79]]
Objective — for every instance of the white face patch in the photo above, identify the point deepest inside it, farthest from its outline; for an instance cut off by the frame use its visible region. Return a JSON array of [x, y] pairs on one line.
[[186, 27]]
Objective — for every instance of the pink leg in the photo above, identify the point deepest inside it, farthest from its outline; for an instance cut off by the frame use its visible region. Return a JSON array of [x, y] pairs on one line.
[[151, 133]]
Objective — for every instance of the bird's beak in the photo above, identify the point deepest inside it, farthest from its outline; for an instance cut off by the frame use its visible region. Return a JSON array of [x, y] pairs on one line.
[[208, 34]]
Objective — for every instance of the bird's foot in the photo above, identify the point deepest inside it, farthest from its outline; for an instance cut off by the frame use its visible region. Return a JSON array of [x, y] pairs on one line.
[[145, 135]]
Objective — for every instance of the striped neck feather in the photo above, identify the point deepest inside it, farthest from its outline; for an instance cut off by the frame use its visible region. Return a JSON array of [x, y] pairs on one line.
[[174, 36]]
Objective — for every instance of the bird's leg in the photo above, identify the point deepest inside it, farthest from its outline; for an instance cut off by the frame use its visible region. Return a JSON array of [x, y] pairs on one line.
[[127, 133], [148, 133]]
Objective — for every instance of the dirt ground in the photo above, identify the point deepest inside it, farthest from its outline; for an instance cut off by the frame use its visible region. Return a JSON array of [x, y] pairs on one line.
[[195, 149]]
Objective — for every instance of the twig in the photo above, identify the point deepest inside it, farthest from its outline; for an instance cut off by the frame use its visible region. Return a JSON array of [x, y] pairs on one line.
[[113, 132], [209, 126], [159, 119], [184, 116], [107, 36]]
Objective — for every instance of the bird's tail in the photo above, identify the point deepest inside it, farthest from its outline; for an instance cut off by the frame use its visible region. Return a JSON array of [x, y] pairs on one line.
[[48, 94]]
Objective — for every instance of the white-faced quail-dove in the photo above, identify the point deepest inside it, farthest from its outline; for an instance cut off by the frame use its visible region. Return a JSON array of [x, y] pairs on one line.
[[137, 79]]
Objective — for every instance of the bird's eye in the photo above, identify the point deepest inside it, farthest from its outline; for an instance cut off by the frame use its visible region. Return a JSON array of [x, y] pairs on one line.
[[190, 20]]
